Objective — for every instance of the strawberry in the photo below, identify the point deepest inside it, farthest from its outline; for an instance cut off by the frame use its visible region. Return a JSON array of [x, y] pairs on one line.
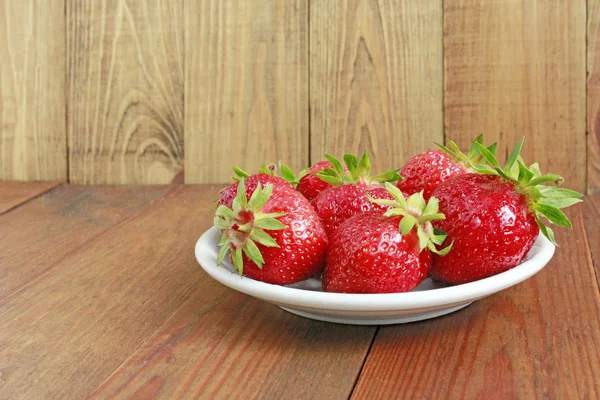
[[266, 175], [337, 204], [347, 197], [310, 185], [375, 253], [495, 217], [273, 234], [427, 170]]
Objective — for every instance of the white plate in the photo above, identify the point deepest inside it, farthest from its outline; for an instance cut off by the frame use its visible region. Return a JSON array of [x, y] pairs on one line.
[[428, 300]]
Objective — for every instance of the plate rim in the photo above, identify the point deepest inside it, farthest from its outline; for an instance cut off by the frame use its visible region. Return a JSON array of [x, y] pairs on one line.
[[466, 292]]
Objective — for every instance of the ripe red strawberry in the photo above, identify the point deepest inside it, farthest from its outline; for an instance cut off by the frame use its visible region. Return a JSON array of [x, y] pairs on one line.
[[347, 197], [427, 170], [273, 233], [266, 175], [337, 204], [494, 219], [375, 253], [310, 185]]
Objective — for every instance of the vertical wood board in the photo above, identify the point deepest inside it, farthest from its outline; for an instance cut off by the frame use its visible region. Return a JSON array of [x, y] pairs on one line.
[[125, 93], [375, 78], [517, 68], [246, 90], [32, 90], [593, 96]]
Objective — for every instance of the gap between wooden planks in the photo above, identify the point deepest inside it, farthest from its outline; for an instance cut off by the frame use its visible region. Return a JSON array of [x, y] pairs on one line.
[[223, 344], [538, 339], [39, 235], [65, 332], [76, 339], [43, 232], [591, 214], [12, 194]]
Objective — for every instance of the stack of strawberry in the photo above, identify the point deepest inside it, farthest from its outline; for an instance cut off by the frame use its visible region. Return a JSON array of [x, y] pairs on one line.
[[455, 217]]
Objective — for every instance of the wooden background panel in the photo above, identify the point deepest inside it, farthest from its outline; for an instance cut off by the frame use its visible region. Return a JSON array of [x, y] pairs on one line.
[[593, 96], [517, 68], [379, 74], [125, 102], [591, 212], [32, 100], [375, 78], [246, 89]]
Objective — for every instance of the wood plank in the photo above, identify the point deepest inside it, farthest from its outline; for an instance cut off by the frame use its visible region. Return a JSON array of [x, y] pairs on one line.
[[593, 96], [517, 68], [222, 344], [125, 68], [539, 339], [14, 193], [246, 90], [32, 96], [591, 213], [38, 235], [376, 78], [64, 334]]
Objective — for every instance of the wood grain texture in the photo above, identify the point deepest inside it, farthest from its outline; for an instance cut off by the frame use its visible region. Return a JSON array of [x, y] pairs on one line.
[[539, 339], [223, 344], [246, 86], [375, 78], [63, 334], [35, 237], [14, 193], [517, 68], [593, 96], [125, 102], [591, 213], [32, 95]]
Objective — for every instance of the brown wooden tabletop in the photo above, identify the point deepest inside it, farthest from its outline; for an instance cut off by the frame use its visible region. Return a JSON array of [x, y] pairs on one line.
[[101, 296]]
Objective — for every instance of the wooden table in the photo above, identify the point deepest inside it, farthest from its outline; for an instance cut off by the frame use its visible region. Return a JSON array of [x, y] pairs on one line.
[[100, 295]]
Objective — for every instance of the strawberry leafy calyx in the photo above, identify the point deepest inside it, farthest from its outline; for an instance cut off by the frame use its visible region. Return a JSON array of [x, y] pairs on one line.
[[470, 160], [278, 170], [359, 171], [416, 214], [543, 200], [244, 225]]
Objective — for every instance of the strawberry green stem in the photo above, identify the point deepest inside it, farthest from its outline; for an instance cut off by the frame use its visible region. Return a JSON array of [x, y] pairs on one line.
[[542, 200], [416, 214], [470, 159], [279, 170], [358, 171], [244, 225]]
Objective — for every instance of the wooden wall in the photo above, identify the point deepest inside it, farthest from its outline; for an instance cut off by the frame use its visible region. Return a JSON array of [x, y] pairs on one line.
[[155, 91]]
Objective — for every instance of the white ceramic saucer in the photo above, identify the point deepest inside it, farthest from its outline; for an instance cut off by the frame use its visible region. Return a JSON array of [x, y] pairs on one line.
[[429, 300]]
